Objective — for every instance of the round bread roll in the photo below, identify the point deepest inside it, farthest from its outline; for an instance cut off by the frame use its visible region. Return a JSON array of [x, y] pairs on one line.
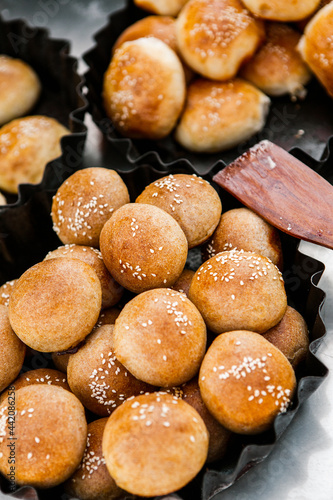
[[26, 146], [163, 7], [111, 290], [216, 36], [92, 481], [160, 337], [84, 202], [154, 444], [239, 290], [12, 351], [5, 292], [51, 433], [96, 376], [55, 304], [219, 115], [242, 229], [143, 247], [219, 436], [316, 46], [184, 281], [19, 88], [60, 360], [245, 381], [282, 10], [291, 336], [191, 201], [144, 89], [277, 68]]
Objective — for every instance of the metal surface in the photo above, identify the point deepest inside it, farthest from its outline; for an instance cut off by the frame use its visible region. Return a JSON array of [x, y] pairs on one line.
[[300, 467]]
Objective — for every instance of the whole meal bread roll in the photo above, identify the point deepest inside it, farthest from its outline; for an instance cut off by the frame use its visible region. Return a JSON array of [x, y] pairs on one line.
[[12, 351], [20, 88], [50, 430], [282, 10], [245, 381], [154, 444], [164, 7]]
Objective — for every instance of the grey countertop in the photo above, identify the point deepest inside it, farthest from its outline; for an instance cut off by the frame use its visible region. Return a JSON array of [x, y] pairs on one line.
[[300, 467]]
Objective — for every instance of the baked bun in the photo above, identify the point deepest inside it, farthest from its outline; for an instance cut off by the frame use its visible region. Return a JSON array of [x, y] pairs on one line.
[[111, 290], [245, 381], [219, 115], [239, 290], [291, 336], [26, 146], [191, 201], [96, 376], [219, 436], [51, 433], [19, 88], [92, 481], [242, 229], [143, 247], [277, 68], [160, 337], [12, 351], [316, 46], [216, 36], [282, 10], [154, 444], [144, 89], [5, 292], [55, 304], [84, 202], [184, 281], [163, 7]]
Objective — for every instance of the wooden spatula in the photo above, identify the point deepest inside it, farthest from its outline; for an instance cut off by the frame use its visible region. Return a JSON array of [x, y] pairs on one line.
[[283, 190]]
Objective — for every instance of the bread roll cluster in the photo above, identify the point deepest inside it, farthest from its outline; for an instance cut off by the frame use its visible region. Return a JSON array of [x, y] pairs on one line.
[[126, 322]]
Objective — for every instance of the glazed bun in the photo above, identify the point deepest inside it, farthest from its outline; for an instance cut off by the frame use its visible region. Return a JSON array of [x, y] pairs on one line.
[[84, 202], [216, 36], [245, 381], [96, 376], [163, 7], [92, 481], [26, 146], [143, 247], [219, 115], [191, 201], [51, 433], [160, 337], [242, 229], [12, 351], [171, 443], [316, 46], [282, 10], [144, 89], [184, 281], [239, 290], [111, 290], [19, 88], [6, 291], [55, 304], [291, 336], [277, 68]]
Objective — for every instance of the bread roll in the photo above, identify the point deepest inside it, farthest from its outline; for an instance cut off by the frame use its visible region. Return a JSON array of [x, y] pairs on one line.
[[12, 351], [164, 7], [282, 10]]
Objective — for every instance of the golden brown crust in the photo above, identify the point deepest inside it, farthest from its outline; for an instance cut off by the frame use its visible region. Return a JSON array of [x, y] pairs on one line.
[[51, 432], [96, 376], [19, 88], [291, 336], [26, 146], [277, 68], [239, 290], [216, 36], [84, 202], [12, 351], [5, 292], [55, 304], [154, 444], [282, 10], [184, 281], [144, 89], [111, 290], [143, 247], [160, 337], [191, 201], [219, 115], [242, 229], [163, 7], [245, 381]]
